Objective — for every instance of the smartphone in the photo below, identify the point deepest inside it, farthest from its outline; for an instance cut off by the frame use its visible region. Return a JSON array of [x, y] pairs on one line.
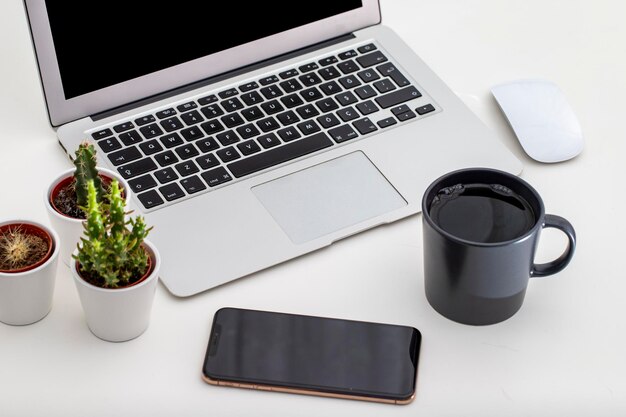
[[312, 355]]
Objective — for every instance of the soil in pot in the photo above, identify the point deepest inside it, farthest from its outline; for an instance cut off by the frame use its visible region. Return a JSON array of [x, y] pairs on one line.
[[23, 247], [63, 197]]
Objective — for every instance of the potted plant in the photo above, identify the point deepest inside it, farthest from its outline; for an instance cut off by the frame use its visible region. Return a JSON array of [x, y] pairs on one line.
[[67, 195], [115, 269], [28, 257]]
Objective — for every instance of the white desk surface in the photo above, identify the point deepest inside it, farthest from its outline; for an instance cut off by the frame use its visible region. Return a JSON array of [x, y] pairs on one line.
[[564, 353]]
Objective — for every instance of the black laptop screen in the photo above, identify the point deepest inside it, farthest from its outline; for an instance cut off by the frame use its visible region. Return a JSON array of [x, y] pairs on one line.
[[102, 43]]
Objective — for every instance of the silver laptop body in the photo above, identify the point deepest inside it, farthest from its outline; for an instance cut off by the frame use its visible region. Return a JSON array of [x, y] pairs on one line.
[[345, 185]]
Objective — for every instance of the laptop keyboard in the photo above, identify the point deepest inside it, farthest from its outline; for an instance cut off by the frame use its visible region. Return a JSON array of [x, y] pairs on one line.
[[200, 144]]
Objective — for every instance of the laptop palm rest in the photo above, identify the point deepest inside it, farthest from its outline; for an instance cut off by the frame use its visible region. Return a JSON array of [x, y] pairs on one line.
[[328, 197]]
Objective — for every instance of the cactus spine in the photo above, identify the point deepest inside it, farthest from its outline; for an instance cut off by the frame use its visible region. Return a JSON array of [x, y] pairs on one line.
[[85, 162], [111, 254]]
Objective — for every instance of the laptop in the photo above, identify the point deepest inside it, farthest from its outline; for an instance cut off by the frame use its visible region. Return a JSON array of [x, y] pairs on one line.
[[250, 137]]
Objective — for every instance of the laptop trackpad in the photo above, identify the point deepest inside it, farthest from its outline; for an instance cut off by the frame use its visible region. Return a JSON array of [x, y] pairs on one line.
[[328, 197]]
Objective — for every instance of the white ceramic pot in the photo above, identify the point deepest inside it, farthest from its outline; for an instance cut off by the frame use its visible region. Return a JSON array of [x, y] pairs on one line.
[[117, 315], [70, 229], [26, 297]]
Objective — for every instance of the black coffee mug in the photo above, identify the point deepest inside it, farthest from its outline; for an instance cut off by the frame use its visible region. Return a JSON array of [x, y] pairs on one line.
[[481, 228]]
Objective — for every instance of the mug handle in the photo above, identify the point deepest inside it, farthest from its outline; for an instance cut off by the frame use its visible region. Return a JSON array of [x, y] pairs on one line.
[[549, 268]]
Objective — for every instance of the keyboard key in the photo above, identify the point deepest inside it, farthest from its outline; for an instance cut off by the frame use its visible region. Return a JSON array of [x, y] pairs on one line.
[[346, 98], [292, 100], [125, 156], [187, 151], [269, 80], [166, 175], [130, 138], [252, 98], [367, 107], [288, 134], [328, 120], [342, 133], [171, 124], [288, 74], [232, 104], [389, 121], [109, 145], [309, 80], [212, 126], [311, 94], [171, 140], [280, 154], [268, 124], [252, 113], [425, 109], [406, 116], [207, 145], [365, 92], [309, 67], [101, 134], [227, 138], [192, 133], [400, 109], [327, 61], [371, 59], [272, 107], [329, 73], [207, 161], [349, 82], [212, 111], [249, 86], [172, 192], [348, 67], [164, 114], [232, 120], [391, 71], [271, 92], [207, 100], [291, 86], [248, 131], [150, 199], [137, 168], [288, 117], [166, 158], [327, 104], [398, 97], [368, 75], [364, 126], [144, 120], [228, 93], [151, 147], [142, 183], [347, 114], [330, 88], [307, 111], [248, 147], [186, 168], [347, 55], [187, 106], [216, 176], [309, 127], [191, 118], [268, 141], [151, 130], [123, 127], [367, 48], [384, 86], [192, 184]]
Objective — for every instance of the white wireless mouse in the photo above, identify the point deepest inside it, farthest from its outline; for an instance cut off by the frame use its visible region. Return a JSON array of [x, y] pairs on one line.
[[541, 118]]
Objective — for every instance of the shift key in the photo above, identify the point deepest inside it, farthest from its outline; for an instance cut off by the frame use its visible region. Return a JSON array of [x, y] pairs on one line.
[[397, 97]]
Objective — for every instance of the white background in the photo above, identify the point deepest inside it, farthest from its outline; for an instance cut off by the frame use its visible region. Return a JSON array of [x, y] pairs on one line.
[[562, 354]]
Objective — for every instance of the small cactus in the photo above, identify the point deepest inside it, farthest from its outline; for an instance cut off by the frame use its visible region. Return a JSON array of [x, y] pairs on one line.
[[111, 254], [85, 162], [19, 249]]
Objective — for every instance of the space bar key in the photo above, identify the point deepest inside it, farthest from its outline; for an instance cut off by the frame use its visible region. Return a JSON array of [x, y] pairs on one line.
[[280, 154]]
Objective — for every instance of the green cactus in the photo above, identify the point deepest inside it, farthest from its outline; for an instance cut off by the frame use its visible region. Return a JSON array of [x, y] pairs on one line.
[[111, 254], [85, 162]]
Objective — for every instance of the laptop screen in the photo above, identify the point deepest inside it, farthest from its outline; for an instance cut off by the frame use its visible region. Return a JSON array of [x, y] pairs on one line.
[[115, 41]]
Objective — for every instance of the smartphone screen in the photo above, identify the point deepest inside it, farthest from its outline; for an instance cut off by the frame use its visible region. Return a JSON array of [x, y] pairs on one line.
[[257, 349]]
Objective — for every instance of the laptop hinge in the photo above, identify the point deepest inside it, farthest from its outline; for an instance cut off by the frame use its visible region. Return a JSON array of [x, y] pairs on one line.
[[220, 77]]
